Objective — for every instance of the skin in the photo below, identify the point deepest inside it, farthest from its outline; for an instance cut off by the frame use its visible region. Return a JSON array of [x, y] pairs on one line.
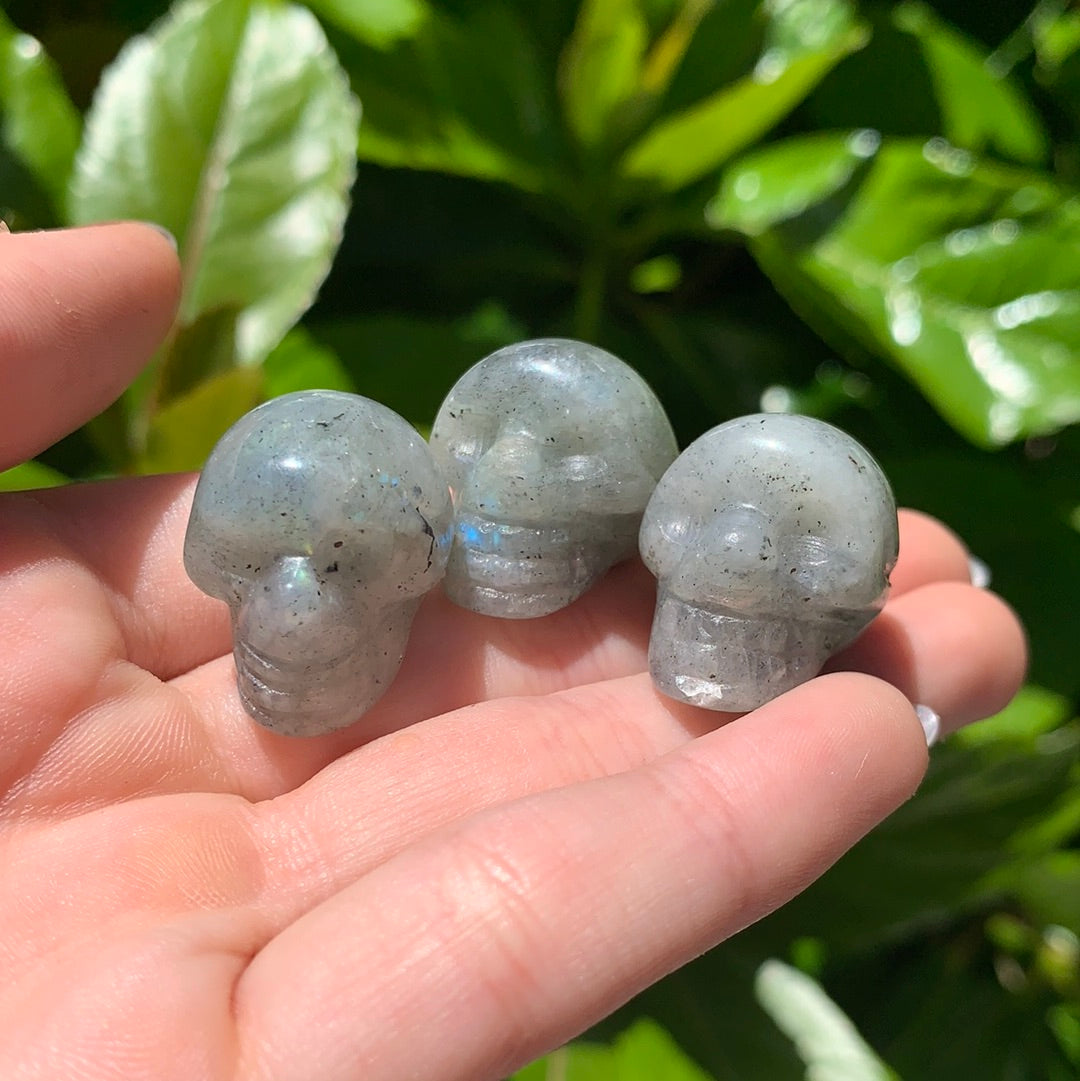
[[519, 837]]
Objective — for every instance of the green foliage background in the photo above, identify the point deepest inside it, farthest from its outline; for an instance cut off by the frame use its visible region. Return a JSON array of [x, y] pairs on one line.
[[867, 212]]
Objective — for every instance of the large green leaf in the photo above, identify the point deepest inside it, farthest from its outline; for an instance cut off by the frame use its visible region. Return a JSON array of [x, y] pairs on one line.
[[805, 39], [958, 270], [644, 1052], [40, 126], [826, 1040], [980, 108], [231, 124]]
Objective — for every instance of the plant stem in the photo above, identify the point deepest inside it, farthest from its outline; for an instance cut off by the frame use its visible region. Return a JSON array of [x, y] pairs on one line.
[[592, 291]]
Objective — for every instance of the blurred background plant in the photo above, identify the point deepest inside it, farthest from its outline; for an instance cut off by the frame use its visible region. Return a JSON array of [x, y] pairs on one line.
[[864, 212]]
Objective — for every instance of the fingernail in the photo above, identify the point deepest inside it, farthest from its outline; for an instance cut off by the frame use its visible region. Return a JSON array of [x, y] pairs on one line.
[[979, 572], [4, 226], [931, 724], [163, 231]]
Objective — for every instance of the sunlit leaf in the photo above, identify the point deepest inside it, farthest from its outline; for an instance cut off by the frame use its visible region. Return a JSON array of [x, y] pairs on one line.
[[801, 174], [807, 39], [958, 270], [231, 124], [40, 126], [981, 110], [826, 1040]]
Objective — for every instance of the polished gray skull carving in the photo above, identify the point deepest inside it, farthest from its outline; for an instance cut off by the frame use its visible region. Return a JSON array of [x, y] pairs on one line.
[[551, 448], [772, 537], [321, 521]]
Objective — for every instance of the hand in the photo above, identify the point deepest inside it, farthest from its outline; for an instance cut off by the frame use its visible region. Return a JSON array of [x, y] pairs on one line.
[[519, 837]]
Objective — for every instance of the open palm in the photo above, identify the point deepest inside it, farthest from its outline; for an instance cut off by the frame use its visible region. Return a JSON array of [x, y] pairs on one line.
[[520, 836]]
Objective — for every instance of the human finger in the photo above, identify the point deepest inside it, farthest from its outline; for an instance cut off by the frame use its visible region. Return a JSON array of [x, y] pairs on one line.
[[537, 917], [84, 310], [955, 648], [604, 635], [929, 552]]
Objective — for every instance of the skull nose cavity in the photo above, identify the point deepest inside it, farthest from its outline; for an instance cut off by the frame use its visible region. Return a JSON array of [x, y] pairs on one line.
[[291, 612], [293, 637]]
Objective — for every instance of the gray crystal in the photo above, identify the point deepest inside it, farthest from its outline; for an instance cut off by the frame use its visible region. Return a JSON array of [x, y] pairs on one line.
[[772, 537], [552, 449], [321, 521]]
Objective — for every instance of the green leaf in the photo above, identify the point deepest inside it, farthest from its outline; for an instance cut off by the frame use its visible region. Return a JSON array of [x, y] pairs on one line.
[[600, 68], [1049, 889], [826, 1040], [1055, 35], [29, 476], [380, 23], [463, 95], [938, 1011], [183, 433], [40, 125], [231, 124], [959, 271], [1031, 714], [806, 39], [644, 1052], [408, 363], [940, 852], [801, 174], [300, 363], [981, 110]]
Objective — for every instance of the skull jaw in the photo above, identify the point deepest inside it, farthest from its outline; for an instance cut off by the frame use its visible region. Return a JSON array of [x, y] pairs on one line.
[[523, 572], [727, 660], [313, 697], [311, 658], [299, 702]]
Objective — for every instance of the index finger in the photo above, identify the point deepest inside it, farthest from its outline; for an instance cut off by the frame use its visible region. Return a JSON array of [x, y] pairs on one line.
[[85, 310]]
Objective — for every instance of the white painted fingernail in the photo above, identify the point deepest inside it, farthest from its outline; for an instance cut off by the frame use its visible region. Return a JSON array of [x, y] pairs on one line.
[[163, 231], [931, 724], [979, 572]]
